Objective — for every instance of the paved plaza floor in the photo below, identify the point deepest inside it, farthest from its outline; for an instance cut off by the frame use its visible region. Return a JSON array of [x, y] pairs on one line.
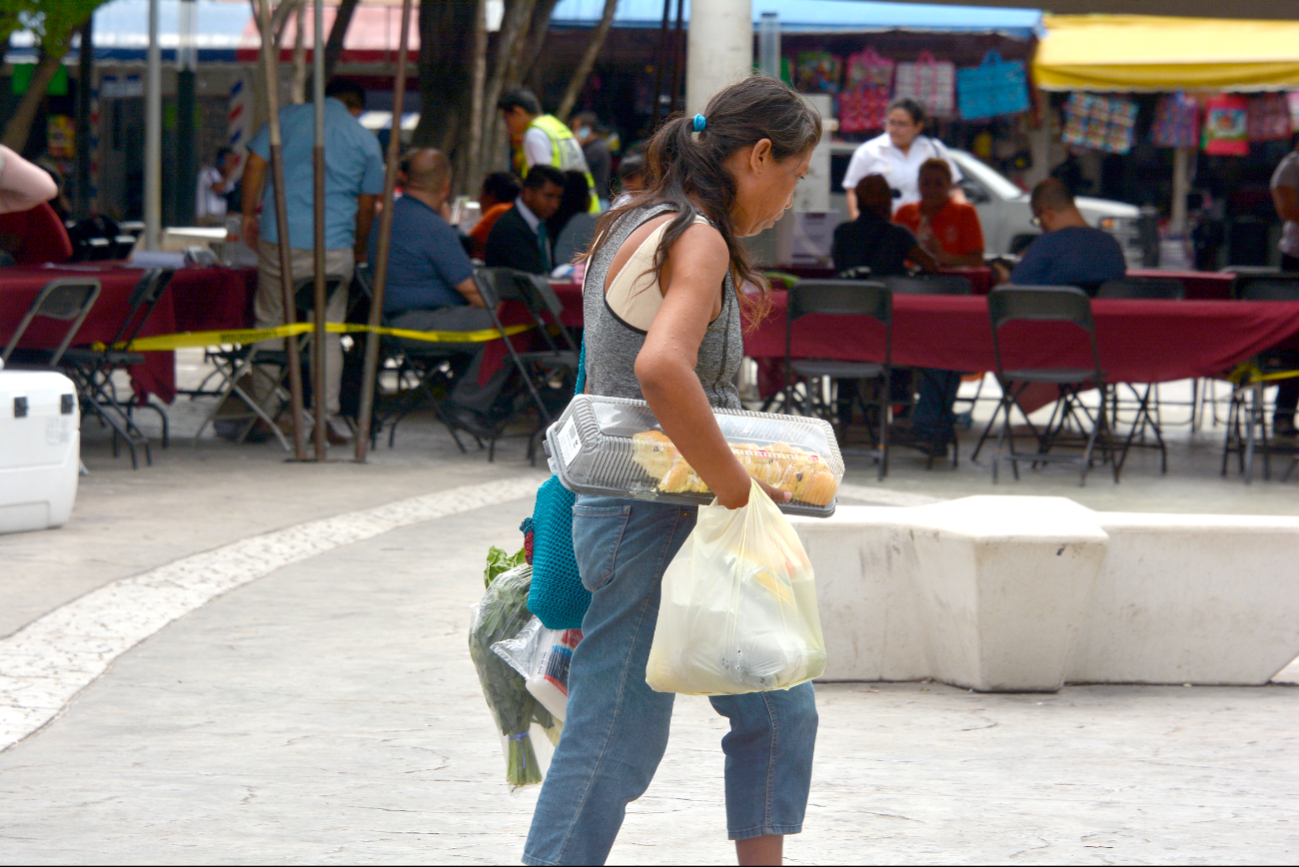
[[229, 658]]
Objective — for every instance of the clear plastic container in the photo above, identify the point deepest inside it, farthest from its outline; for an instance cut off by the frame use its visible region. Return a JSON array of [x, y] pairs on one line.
[[615, 447]]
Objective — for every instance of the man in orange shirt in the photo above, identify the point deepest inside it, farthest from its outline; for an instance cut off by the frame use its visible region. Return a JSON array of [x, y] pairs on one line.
[[499, 191], [948, 229]]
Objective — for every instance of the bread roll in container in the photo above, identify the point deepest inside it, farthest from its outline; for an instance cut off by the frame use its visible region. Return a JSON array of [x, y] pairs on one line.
[[614, 447]]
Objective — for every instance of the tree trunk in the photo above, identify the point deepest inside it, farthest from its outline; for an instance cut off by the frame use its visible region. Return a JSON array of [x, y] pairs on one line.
[[298, 91], [19, 126], [583, 70], [469, 156], [337, 34]]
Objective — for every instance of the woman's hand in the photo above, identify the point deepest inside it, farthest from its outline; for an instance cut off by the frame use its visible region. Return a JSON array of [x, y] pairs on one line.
[[736, 500]]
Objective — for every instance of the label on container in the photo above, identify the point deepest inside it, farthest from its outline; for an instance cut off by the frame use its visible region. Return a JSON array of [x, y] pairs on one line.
[[570, 443]]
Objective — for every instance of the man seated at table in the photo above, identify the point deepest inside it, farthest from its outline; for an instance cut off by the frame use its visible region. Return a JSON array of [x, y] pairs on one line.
[[519, 239], [873, 240], [1070, 252], [944, 227], [430, 286]]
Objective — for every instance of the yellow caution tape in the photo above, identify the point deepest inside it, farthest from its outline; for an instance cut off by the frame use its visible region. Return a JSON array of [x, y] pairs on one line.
[[244, 336], [1249, 373]]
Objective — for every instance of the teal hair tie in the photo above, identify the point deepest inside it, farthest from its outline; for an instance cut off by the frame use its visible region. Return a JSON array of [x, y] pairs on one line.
[[700, 122]]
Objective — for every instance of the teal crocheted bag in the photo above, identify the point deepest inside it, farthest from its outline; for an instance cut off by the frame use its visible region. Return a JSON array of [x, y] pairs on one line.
[[557, 596]]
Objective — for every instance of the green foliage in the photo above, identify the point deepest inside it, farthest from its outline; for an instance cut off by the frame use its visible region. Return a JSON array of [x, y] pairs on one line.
[[53, 21]]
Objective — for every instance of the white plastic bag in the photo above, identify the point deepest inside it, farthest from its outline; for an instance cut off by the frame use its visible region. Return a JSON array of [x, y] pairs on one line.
[[738, 612], [542, 656]]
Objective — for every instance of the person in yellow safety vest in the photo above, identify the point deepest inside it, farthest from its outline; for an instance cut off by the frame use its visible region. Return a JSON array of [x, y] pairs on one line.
[[541, 138]]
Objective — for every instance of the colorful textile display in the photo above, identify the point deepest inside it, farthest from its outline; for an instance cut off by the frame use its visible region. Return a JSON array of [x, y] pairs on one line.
[[864, 101], [866, 68], [992, 88], [1177, 122], [818, 72], [1104, 123], [1267, 117], [1225, 126], [930, 82]]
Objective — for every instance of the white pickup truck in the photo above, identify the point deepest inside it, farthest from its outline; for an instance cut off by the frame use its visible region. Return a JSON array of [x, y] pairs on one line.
[[1004, 212]]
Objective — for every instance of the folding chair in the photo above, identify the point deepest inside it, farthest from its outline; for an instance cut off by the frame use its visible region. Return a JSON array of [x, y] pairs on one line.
[[93, 369], [68, 300], [935, 284], [425, 362], [1248, 404], [1146, 289], [537, 367], [862, 299], [1062, 304], [272, 365]]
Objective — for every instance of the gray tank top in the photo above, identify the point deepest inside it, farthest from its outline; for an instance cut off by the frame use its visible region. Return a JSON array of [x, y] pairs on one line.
[[612, 345]]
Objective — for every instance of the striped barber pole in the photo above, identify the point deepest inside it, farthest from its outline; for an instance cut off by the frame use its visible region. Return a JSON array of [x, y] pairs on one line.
[[239, 119]]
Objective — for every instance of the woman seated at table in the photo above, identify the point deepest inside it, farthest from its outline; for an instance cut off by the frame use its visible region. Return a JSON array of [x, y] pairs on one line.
[[872, 241], [947, 229]]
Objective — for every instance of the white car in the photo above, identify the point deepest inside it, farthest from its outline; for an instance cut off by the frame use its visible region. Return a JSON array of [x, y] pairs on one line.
[[1004, 212]]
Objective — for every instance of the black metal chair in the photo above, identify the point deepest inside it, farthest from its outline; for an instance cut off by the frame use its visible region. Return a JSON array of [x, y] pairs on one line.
[[935, 284], [68, 300], [1147, 402], [1248, 405], [548, 371], [859, 299], [422, 369], [239, 365], [1062, 304], [93, 368]]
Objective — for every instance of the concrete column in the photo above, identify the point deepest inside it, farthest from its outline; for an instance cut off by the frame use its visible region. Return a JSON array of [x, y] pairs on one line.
[[719, 49]]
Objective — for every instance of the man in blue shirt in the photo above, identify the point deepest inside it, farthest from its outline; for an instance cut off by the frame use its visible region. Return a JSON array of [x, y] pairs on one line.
[[353, 179], [1070, 253], [430, 285]]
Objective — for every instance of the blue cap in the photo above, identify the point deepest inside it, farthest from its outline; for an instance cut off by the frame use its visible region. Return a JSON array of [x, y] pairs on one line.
[[700, 122]]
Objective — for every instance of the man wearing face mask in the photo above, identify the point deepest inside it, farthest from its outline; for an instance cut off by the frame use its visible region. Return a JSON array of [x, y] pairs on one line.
[[596, 151]]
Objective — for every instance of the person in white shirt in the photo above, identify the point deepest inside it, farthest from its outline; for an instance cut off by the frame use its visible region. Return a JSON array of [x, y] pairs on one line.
[[897, 154], [214, 182]]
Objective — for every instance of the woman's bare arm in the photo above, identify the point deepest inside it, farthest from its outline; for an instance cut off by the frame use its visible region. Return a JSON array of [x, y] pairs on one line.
[[696, 266], [22, 184]]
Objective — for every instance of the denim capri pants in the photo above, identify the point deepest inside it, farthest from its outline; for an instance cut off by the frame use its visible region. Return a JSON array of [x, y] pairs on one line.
[[617, 727]]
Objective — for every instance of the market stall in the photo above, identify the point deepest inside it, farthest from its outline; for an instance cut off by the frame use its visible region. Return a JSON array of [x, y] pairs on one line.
[[1222, 85]]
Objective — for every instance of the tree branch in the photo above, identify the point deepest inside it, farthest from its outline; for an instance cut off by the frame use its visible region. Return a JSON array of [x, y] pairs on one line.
[[578, 81]]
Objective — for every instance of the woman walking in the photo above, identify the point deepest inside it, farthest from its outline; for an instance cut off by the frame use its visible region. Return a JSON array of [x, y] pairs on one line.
[[663, 324]]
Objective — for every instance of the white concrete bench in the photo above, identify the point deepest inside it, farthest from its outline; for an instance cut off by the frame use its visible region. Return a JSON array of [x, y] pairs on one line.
[[1026, 593]]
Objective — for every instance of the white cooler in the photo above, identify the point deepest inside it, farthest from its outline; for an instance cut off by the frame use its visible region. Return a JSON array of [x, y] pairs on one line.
[[40, 447]]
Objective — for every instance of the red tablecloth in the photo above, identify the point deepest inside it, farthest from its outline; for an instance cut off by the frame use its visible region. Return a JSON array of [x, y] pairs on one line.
[[1138, 341], [1200, 285], [197, 299]]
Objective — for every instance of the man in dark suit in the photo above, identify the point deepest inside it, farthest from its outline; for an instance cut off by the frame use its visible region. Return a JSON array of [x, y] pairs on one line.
[[518, 240]]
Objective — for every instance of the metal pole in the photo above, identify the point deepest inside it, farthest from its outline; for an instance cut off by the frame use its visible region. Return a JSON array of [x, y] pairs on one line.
[[385, 235], [182, 204], [318, 221], [153, 136], [85, 87], [270, 62]]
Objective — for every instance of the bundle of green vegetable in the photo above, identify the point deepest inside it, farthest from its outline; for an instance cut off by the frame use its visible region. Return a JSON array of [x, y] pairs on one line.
[[502, 613]]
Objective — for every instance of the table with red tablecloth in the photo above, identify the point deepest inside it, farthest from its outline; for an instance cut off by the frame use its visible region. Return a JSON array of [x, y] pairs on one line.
[[1200, 285], [1138, 341], [197, 299]]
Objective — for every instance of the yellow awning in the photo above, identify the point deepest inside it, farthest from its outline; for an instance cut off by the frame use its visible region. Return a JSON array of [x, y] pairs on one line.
[[1152, 53]]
